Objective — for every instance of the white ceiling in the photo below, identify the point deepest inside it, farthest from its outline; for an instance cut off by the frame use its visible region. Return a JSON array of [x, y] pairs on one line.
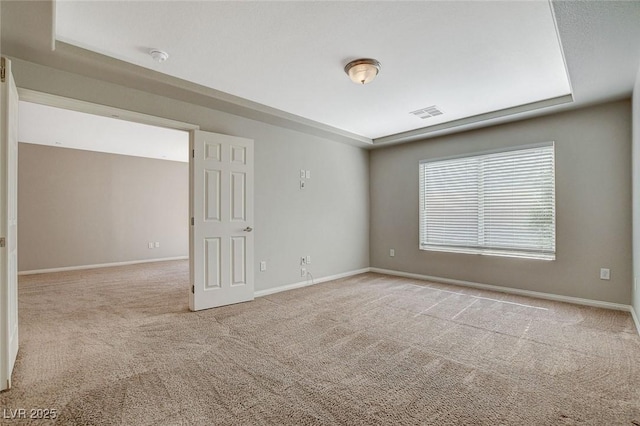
[[467, 58], [600, 40], [45, 125]]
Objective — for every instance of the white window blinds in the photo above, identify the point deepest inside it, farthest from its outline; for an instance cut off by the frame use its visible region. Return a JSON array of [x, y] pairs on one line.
[[499, 203]]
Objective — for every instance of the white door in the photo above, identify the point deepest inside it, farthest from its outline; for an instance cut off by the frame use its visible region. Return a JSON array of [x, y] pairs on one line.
[[8, 224], [221, 237]]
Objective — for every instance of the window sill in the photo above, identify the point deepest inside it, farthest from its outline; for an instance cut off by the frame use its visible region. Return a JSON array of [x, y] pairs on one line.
[[489, 252]]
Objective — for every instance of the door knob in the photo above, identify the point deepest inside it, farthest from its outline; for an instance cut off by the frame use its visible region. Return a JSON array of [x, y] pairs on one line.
[[248, 229]]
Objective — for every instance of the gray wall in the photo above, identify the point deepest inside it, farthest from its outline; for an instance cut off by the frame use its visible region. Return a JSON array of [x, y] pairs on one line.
[[593, 193], [84, 208], [328, 221], [636, 194]]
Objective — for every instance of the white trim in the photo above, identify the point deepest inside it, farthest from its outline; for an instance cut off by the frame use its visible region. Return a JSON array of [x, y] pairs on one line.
[[306, 283], [635, 318], [564, 57], [54, 14], [48, 99], [524, 254], [217, 100], [493, 118], [100, 265], [537, 294]]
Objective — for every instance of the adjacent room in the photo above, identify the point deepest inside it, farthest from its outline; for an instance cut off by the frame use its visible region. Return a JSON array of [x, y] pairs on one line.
[[315, 212], [99, 191]]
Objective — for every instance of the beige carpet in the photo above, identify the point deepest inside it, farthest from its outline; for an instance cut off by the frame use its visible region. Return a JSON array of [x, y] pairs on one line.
[[118, 346]]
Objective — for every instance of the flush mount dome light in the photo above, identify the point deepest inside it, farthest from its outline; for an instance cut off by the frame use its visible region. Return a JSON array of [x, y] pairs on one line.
[[159, 55], [362, 71]]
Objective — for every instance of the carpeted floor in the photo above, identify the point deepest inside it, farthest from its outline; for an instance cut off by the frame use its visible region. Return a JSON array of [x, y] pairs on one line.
[[119, 346]]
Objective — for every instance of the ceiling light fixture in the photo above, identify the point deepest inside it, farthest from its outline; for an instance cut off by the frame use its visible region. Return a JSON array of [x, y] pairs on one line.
[[362, 71], [159, 55]]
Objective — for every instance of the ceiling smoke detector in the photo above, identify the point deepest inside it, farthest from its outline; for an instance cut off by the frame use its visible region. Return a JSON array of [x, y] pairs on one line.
[[159, 55], [362, 71]]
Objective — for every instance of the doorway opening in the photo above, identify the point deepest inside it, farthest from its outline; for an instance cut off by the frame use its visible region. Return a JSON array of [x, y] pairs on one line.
[[99, 191], [218, 201]]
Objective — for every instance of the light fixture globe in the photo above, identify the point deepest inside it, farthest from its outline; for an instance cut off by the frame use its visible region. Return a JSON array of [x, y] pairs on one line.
[[362, 71]]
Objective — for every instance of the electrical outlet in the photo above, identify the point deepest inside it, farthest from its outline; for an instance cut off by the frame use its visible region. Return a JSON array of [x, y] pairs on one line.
[[307, 174], [157, 244], [303, 272], [302, 174], [392, 252], [605, 274], [263, 266], [150, 245], [308, 260]]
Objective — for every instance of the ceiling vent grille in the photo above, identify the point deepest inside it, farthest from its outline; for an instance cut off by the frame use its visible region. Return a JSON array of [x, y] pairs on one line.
[[428, 112]]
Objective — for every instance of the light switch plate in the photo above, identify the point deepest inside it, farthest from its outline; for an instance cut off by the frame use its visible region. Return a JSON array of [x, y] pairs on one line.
[[605, 274], [307, 174], [263, 266]]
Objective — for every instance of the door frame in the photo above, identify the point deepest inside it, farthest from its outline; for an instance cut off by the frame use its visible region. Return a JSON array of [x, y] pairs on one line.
[[9, 335], [47, 99]]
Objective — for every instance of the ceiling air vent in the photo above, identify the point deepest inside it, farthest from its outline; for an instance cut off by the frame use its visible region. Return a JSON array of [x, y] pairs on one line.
[[428, 112]]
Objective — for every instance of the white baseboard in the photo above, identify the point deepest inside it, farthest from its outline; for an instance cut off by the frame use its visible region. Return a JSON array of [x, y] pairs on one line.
[[306, 283], [537, 294], [99, 265], [635, 318]]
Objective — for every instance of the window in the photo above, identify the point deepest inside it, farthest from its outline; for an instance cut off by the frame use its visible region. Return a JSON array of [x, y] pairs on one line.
[[498, 203]]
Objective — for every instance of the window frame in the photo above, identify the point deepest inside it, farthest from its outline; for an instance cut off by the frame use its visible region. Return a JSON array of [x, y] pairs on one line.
[[547, 255]]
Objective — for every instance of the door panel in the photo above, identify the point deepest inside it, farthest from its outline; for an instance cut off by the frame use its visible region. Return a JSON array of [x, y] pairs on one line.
[[238, 260], [222, 210], [213, 258], [8, 227], [238, 154], [238, 196], [212, 194]]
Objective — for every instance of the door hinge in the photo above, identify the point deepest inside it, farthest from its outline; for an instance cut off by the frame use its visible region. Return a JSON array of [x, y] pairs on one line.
[[192, 222], [3, 242], [193, 289], [193, 151], [3, 70]]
